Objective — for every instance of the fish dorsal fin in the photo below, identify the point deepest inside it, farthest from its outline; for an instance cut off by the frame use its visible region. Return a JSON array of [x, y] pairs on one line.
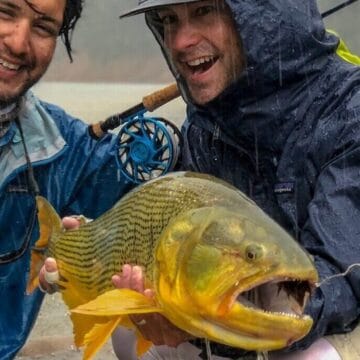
[[118, 302], [49, 221]]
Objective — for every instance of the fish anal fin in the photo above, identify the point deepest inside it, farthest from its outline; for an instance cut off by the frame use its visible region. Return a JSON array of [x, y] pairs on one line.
[[118, 302]]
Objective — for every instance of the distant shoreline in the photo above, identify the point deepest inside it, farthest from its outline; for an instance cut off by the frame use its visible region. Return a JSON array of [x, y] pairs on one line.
[[92, 101]]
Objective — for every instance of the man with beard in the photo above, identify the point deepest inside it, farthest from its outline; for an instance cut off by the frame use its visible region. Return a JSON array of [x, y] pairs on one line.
[[42, 151], [273, 107]]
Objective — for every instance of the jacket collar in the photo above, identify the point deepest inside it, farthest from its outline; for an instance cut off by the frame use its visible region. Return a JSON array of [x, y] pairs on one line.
[[42, 136]]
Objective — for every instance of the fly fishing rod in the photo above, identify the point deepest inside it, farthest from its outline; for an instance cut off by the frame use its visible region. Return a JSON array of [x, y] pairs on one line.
[[149, 103], [337, 8]]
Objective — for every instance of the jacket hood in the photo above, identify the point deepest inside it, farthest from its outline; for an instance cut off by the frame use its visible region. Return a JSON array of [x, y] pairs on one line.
[[285, 45], [281, 40]]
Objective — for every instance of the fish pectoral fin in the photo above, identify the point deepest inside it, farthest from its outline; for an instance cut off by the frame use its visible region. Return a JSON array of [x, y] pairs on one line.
[[103, 314], [97, 337], [92, 332], [118, 302]]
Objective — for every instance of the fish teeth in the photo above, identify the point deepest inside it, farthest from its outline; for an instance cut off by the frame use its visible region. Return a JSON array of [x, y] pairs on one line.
[[8, 65], [199, 61]]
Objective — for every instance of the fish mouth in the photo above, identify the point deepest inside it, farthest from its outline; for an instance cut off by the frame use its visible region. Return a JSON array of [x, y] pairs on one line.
[[282, 297], [268, 315]]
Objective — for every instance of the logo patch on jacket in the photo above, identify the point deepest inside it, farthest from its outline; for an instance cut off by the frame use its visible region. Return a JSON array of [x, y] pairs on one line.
[[287, 187]]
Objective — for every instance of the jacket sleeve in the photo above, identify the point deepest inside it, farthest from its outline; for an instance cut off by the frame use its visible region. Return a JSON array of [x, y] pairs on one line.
[[90, 180], [332, 235]]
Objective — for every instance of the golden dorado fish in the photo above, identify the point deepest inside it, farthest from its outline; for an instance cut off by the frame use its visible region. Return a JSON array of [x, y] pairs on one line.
[[220, 268]]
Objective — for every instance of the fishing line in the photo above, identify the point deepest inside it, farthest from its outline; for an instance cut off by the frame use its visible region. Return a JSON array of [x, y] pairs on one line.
[[337, 8], [262, 355], [208, 349], [351, 267]]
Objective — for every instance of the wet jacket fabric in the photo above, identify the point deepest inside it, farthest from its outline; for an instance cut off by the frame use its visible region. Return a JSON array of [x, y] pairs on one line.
[[287, 133], [75, 173]]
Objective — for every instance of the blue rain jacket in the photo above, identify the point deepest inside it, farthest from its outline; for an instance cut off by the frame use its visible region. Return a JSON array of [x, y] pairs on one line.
[[76, 174], [287, 133]]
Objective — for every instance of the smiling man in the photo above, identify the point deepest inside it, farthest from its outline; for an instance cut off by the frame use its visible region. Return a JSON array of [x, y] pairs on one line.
[[203, 47], [42, 151], [28, 39], [273, 107]]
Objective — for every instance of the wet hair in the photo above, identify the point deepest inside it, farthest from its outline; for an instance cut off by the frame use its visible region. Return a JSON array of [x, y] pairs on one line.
[[72, 14]]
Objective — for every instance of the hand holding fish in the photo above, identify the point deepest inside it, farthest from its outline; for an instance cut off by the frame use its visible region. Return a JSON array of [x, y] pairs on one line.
[[154, 327], [49, 271]]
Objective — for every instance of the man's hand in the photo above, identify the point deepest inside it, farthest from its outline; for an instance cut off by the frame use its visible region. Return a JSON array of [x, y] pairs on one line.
[[49, 275], [153, 327]]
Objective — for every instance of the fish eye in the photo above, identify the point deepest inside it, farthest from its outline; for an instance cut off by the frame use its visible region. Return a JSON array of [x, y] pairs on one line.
[[253, 252]]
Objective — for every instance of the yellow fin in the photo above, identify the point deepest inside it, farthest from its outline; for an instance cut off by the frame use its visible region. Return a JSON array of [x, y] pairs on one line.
[[142, 345], [37, 261], [104, 313], [84, 324], [98, 336], [118, 302], [49, 222]]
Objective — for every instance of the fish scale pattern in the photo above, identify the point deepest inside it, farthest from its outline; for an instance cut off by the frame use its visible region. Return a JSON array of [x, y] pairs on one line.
[[128, 233]]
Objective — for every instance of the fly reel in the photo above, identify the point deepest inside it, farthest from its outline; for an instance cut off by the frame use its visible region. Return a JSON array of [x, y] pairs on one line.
[[148, 147]]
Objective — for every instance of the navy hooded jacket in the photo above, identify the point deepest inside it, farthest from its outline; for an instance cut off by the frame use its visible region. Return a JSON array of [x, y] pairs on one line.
[[287, 133]]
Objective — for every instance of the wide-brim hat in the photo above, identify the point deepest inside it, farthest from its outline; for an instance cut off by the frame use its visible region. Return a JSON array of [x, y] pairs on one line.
[[146, 5]]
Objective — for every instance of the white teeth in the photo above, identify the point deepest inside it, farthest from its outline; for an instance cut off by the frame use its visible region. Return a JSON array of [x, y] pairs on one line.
[[199, 61], [8, 65]]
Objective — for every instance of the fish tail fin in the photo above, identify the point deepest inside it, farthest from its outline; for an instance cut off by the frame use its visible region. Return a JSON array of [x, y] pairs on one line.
[[49, 223]]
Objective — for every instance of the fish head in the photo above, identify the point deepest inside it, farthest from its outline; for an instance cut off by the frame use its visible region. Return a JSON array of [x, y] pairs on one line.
[[234, 276]]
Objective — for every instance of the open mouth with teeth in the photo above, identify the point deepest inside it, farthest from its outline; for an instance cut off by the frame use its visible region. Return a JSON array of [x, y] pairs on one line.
[[284, 298], [8, 66], [201, 65], [267, 316]]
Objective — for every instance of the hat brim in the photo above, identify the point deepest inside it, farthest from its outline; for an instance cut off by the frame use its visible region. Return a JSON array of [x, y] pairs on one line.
[[152, 4]]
